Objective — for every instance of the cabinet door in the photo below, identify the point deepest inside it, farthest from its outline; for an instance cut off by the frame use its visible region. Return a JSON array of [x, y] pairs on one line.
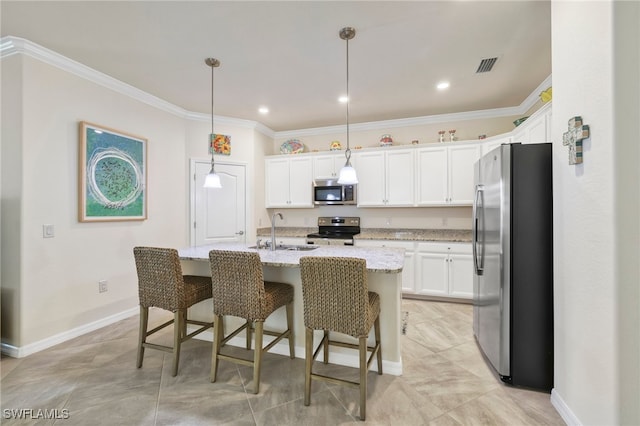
[[300, 182], [408, 269], [371, 178], [461, 275], [432, 176], [400, 178], [433, 273], [277, 182], [491, 145], [537, 130], [325, 166], [461, 162]]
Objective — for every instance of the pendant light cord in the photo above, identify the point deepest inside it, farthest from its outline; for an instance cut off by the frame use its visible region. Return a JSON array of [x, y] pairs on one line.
[[212, 68], [213, 63], [348, 151]]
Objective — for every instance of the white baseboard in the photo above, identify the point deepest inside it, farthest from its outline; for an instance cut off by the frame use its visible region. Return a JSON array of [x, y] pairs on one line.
[[563, 409], [347, 359], [22, 351]]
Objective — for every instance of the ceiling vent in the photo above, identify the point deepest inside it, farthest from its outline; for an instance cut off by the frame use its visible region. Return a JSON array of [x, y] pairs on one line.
[[486, 65]]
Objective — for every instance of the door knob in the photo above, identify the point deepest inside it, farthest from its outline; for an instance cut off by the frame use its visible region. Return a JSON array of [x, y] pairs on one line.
[[240, 233]]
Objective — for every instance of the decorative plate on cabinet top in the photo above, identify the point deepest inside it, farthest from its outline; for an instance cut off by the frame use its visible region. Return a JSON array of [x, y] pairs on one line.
[[335, 146], [386, 140], [291, 146]]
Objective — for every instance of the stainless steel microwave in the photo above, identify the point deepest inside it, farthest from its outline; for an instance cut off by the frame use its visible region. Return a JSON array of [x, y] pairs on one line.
[[330, 192]]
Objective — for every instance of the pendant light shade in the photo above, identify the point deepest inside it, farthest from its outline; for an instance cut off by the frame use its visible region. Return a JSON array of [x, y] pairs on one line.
[[213, 179], [347, 172]]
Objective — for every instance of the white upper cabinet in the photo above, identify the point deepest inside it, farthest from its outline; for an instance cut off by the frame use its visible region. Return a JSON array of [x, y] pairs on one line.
[[328, 166], [385, 179], [536, 128], [439, 174], [433, 188], [460, 164], [288, 182], [493, 143], [445, 174]]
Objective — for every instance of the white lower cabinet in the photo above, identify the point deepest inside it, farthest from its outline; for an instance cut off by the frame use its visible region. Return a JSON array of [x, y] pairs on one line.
[[433, 269], [444, 270], [408, 270]]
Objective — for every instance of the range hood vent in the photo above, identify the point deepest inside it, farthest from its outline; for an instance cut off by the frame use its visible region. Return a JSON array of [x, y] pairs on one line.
[[486, 65]]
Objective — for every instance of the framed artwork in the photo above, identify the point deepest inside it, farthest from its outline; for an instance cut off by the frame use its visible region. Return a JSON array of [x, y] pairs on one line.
[[219, 144], [112, 175]]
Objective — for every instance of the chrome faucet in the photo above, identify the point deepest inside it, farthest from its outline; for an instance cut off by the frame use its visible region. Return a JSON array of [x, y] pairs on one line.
[[273, 230]]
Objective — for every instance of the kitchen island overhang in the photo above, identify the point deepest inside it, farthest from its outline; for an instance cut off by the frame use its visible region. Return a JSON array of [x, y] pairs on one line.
[[384, 276]]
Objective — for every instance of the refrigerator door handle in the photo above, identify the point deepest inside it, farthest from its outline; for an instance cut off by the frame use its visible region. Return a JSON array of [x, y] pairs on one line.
[[477, 208]]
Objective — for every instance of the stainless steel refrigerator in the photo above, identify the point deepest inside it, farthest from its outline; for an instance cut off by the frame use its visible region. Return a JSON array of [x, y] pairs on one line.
[[513, 263]]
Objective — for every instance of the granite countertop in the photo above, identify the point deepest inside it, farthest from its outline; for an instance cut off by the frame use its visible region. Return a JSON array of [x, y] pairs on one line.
[[444, 235], [379, 259]]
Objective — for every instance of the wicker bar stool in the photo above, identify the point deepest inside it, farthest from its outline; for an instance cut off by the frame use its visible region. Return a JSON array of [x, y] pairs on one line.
[[239, 290], [162, 285], [336, 298]]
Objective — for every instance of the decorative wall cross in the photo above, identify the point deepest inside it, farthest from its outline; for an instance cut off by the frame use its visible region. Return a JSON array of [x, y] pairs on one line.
[[574, 137]]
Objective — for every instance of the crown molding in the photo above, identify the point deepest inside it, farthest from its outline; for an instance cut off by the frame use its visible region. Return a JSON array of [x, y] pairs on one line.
[[10, 45]]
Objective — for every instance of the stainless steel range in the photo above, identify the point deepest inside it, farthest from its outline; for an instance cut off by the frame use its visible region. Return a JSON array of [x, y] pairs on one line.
[[335, 230]]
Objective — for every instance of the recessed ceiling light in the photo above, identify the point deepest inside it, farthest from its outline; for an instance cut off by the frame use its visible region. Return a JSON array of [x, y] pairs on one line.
[[343, 99], [263, 110], [443, 85]]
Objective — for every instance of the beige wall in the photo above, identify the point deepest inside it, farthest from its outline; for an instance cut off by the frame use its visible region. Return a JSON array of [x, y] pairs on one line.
[[596, 209], [365, 136], [50, 286], [11, 180]]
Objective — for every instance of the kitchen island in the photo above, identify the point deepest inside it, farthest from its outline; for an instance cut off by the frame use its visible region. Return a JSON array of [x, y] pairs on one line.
[[384, 275]]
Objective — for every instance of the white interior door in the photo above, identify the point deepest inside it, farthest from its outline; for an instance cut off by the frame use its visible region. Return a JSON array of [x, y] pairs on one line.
[[218, 215]]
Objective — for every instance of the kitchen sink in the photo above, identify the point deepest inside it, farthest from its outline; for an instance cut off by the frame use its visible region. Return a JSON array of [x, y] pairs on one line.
[[296, 248], [290, 247]]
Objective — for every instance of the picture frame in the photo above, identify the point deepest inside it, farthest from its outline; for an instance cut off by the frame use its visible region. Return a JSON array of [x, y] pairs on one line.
[[219, 144], [112, 179]]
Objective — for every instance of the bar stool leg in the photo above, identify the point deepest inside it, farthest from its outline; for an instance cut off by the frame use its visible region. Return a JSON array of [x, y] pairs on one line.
[[257, 355], [308, 359], [292, 343], [326, 346], [363, 377], [248, 334], [177, 339], [142, 338], [376, 329], [217, 339]]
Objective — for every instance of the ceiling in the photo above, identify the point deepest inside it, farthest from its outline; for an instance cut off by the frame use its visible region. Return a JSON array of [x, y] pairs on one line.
[[289, 57]]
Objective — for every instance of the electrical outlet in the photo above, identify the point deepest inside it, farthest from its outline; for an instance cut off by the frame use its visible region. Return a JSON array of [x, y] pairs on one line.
[[48, 231], [102, 286]]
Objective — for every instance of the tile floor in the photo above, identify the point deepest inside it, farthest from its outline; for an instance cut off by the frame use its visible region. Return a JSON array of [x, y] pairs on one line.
[[93, 378]]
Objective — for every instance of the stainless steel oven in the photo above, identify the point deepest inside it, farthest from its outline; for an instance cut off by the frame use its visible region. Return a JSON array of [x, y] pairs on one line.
[[330, 192], [335, 230]]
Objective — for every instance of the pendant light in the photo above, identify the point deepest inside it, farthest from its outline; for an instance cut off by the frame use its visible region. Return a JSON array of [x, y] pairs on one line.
[[347, 172], [213, 179]]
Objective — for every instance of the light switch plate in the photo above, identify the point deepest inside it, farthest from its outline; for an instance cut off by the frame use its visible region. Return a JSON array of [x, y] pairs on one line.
[[48, 231]]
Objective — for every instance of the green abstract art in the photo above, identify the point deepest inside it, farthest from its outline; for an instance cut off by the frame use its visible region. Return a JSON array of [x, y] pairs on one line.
[[112, 176]]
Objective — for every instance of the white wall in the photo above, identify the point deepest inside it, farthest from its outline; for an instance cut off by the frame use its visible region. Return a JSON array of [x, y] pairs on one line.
[[50, 286], [591, 332]]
